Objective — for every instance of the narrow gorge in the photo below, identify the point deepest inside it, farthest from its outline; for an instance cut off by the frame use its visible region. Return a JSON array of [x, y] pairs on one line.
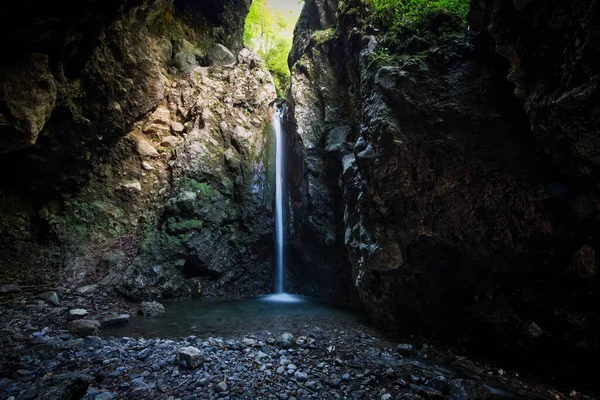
[[409, 212]]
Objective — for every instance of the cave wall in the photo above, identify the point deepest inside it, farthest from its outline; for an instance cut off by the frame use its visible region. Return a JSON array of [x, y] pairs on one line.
[[459, 218], [129, 130]]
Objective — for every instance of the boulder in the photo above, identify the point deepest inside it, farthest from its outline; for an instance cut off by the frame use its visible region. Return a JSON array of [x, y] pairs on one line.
[[151, 308], [219, 55], [189, 357], [286, 340], [84, 327], [50, 297], [185, 62], [69, 385]]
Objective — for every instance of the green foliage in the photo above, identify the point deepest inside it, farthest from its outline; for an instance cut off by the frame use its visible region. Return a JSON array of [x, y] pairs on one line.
[[396, 13], [198, 187], [401, 19], [269, 33]]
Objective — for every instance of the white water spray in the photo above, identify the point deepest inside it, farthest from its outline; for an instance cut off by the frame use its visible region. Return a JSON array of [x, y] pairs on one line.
[[279, 156]]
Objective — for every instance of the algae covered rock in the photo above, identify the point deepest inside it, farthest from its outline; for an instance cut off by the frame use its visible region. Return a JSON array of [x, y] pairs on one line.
[[151, 308], [84, 327]]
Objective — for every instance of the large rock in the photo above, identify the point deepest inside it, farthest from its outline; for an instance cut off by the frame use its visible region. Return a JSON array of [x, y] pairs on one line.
[[219, 55], [67, 386], [185, 61], [151, 308], [189, 357], [50, 297], [84, 327]]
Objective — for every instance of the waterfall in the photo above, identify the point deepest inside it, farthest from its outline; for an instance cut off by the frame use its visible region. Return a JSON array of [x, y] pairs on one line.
[[279, 184]]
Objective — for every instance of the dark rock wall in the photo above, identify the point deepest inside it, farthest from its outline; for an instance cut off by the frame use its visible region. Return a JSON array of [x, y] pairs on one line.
[[458, 215]]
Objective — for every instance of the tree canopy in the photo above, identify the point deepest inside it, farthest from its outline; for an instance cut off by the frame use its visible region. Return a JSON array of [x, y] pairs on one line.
[[269, 32]]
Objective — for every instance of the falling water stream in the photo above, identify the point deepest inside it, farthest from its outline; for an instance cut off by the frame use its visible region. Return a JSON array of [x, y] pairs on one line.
[[279, 155]]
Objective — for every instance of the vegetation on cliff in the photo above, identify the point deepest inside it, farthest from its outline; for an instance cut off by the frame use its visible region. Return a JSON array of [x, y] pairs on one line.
[[401, 19]]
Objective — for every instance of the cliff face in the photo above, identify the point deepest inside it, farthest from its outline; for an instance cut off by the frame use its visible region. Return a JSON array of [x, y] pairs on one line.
[[438, 184], [135, 148]]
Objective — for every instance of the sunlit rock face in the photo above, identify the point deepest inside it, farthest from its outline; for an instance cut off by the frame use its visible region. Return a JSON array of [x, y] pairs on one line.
[[424, 185], [135, 154]]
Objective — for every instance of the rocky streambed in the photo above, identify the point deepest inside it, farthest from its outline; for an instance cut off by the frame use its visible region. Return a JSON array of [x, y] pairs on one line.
[[318, 355]]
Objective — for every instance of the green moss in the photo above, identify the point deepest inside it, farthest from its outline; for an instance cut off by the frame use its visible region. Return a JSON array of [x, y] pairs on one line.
[[185, 225], [320, 37], [203, 188]]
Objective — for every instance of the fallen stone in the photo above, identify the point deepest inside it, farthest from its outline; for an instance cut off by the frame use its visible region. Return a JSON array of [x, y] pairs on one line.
[[151, 308], [10, 288], [301, 376], [145, 149], [50, 297], [189, 357], [221, 387], [249, 341], [84, 327], [77, 313], [185, 61], [147, 166], [70, 385], [133, 185], [219, 55], [117, 320], [286, 340]]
